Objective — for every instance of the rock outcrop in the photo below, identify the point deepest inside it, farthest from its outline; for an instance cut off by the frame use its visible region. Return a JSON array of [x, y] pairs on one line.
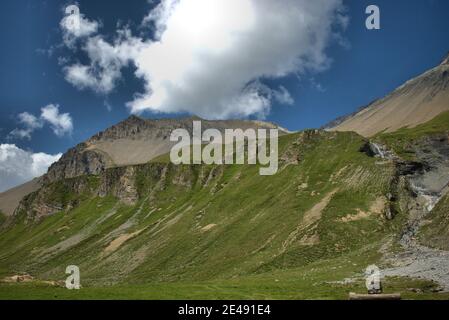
[[78, 161], [128, 184]]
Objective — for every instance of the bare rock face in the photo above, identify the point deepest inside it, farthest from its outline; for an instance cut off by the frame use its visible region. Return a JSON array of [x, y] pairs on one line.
[[66, 194], [131, 127], [78, 161], [121, 183], [433, 152], [54, 197], [128, 184]]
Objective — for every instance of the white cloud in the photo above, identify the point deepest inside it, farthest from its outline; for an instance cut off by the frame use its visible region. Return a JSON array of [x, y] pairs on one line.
[[106, 62], [160, 15], [61, 123], [210, 56], [71, 32], [18, 166], [20, 134], [283, 96], [30, 123]]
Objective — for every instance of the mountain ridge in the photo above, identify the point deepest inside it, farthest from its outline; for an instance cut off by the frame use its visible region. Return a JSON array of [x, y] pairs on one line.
[[338, 203], [132, 141]]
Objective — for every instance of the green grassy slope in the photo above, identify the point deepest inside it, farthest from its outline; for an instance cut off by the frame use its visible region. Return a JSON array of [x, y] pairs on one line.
[[214, 231]]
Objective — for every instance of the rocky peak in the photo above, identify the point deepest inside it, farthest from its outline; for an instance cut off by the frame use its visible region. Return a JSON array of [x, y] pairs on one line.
[[130, 126]]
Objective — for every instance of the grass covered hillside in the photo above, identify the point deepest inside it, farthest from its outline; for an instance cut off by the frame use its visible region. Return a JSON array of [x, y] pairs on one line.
[[163, 231]]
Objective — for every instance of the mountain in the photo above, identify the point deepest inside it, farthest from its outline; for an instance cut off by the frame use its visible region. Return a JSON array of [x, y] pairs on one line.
[[417, 101], [130, 142], [141, 229], [134, 141], [161, 223], [156, 230]]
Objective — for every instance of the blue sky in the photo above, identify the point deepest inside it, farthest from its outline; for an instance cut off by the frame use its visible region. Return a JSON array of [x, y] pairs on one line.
[[360, 66]]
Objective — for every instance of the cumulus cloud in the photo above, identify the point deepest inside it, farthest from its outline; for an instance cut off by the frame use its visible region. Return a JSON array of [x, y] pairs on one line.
[[61, 124], [18, 166], [209, 57]]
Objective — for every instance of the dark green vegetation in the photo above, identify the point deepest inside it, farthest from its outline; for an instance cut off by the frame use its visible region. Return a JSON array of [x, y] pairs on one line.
[[158, 231]]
